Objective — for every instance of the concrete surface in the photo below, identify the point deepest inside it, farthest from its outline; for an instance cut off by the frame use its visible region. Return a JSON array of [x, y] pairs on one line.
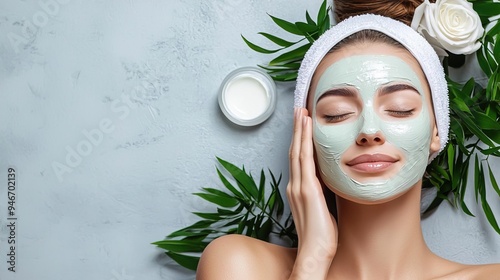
[[109, 119]]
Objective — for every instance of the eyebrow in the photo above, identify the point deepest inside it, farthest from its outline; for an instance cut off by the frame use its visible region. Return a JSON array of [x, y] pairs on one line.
[[338, 92], [396, 87]]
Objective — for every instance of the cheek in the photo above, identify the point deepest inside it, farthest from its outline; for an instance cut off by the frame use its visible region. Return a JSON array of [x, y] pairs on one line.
[[411, 135], [331, 141]]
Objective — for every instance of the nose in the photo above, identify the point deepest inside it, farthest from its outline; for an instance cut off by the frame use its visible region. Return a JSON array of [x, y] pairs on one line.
[[370, 133], [365, 139]]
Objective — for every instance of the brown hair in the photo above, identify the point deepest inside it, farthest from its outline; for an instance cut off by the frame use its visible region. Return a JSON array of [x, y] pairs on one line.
[[398, 10]]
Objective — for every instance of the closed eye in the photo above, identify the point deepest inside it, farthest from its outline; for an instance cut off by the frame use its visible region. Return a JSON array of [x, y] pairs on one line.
[[336, 118], [400, 114]]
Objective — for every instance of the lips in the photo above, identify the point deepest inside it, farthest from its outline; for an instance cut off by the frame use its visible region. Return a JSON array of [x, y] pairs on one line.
[[372, 163]]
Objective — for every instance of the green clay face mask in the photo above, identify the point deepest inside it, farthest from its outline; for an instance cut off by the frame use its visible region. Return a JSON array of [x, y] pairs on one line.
[[408, 137]]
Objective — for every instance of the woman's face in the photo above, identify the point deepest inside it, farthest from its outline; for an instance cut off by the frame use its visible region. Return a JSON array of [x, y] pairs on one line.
[[373, 124]]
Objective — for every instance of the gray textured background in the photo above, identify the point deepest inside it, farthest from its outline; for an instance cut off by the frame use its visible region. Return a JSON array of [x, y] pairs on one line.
[[145, 75]]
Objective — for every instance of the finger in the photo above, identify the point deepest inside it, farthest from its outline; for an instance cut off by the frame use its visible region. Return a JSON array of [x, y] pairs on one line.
[[308, 175], [295, 148]]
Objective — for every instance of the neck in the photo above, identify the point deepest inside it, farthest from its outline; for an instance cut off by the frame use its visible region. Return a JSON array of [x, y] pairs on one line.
[[382, 239]]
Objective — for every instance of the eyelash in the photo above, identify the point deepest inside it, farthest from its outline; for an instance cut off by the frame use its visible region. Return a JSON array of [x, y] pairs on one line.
[[400, 114], [336, 118]]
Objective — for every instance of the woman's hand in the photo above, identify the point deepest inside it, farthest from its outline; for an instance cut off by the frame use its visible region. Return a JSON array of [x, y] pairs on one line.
[[316, 227]]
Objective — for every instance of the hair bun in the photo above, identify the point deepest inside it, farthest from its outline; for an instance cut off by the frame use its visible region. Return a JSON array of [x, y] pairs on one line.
[[398, 10]]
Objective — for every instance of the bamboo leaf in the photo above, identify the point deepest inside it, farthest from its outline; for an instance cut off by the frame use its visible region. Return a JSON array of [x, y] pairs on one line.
[[196, 226], [483, 63], [460, 104], [306, 28], [249, 226], [228, 185], [493, 180], [257, 48], [309, 19], [474, 128], [286, 25], [219, 200], [218, 193], [245, 182], [493, 135], [189, 262], [477, 178], [485, 122], [490, 150], [486, 8], [262, 186], [489, 215], [465, 209], [265, 230], [322, 13], [192, 233], [181, 245], [294, 55], [285, 77], [276, 40], [451, 159]]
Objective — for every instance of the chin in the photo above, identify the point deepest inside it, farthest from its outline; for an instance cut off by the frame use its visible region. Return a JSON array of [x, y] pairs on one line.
[[371, 198]]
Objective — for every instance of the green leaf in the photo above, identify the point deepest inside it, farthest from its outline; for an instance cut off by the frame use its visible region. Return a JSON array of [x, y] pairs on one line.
[[483, 63], [208, 216], [309, 19], [262, 186], [189, 262], [282, 67], [233, 222], [451, 158], [196, 226], [228, 185], [486, 8], [285, 77], [294, 55], [242, 223], [493, 181], [465, 208], [489, 214], [485, 122], [246, 183], [490, 150], [306, 28], [477, 178], [460, 104], [218, 193], [324, 25], [493, 135], [219, 200], [276, 40], [286, 25], [181, 245], [249, 226], [457, 129], [474, 128], [322, 13], [257, 48], [265, 230]]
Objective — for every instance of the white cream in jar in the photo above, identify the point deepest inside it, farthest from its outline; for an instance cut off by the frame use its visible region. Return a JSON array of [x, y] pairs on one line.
[[247, 96]]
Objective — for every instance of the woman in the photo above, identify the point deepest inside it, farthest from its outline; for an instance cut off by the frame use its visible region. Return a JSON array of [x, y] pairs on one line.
[[371, 112]]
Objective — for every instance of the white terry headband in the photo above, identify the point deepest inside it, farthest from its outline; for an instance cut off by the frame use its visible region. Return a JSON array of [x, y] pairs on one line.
[[406, 36]]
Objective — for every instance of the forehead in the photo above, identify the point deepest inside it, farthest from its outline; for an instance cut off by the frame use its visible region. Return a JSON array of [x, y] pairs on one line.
[[366, 49]]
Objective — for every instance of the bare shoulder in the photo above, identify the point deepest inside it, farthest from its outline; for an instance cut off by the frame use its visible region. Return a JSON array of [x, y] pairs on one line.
[[242, 257], [473, 272]]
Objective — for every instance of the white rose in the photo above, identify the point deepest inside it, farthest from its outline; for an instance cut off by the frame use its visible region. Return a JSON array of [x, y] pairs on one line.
[[452, 25]]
